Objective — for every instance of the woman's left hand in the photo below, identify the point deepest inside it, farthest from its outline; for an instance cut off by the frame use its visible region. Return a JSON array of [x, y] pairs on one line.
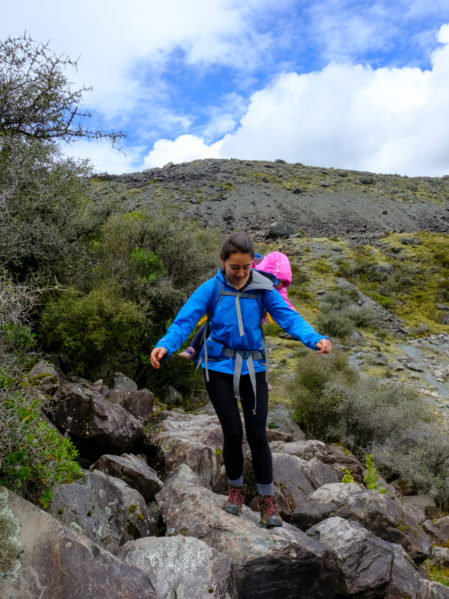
[[324, 346]]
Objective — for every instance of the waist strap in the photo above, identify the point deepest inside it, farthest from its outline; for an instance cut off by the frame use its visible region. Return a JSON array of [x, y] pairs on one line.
[[245, 353], [249, 356]]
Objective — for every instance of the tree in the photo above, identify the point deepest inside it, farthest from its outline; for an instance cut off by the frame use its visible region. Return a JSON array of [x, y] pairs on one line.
[[42, 195], [36, 98]]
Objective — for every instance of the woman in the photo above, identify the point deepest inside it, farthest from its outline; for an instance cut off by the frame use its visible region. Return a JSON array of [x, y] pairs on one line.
[[274, 263], [236, 301]]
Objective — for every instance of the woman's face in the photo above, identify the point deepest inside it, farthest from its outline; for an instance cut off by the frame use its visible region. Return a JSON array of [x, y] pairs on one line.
[[237, 268]]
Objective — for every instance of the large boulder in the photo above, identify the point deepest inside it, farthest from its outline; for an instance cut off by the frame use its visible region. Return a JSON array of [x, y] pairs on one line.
[[295, 478], [282, 563], [378, 513], [140, 404], [96, 424], [195, 440], [335, 456], [182, 567], [57, 562], [45, 377], [133, 470], [368, 565], [103, 508]]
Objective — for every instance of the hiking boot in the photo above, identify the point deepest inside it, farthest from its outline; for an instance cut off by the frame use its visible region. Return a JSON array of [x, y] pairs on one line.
[[235, 501], [188, 354], [269, 516]]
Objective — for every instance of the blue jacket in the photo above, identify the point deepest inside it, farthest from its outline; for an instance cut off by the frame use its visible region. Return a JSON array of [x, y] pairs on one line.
[[224, 326]]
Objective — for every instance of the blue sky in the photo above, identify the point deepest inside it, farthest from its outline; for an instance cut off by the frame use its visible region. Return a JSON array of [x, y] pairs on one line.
[[332, 83]]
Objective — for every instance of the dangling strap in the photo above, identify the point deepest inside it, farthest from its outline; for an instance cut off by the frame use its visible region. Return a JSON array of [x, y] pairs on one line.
[[238, 373], [205, 351], [265, 350], [239, 356]]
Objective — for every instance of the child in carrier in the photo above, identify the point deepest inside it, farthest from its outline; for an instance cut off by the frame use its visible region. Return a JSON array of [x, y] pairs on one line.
[[276, 264]]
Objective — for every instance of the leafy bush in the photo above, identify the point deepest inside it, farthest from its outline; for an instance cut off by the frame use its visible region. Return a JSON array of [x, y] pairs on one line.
[[389, 420], [39, 236], [341, 314], [9, 544], [93, 329], [33, 455], [147, 247], [334, 325], [315, 408]]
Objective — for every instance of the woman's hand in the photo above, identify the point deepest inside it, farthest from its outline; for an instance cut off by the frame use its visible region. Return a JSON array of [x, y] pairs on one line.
[[156, 356], [324, 346]]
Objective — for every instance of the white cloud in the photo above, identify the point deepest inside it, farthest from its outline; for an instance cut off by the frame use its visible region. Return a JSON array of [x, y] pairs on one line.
[[104, 158], [345, 116], [184, 149], [116, 41]]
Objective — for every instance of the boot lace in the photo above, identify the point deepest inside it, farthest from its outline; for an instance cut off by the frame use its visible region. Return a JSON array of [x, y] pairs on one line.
[[235, 496], [269, 506]]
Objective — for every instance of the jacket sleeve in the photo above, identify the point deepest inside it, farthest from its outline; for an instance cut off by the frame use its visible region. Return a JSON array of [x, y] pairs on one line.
[[290, 320], [187, 318]]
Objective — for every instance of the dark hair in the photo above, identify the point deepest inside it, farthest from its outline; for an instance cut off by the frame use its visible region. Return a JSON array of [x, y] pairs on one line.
[[237, 243]]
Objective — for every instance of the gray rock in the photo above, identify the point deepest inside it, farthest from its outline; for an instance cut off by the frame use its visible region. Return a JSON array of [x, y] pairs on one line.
[[268, 564], [44, 376], [334, 456], [364, 560], [280, 229], [295, 478], [172, 397], [140, 404], [87, 415], [103, 508], [432, 590], [195, 440], [440, 555], [133, 471], [405, 580], [57, 562], [380, 514], [124, 383], [437, 531], [293, 485], [424, 506], [182, 567]]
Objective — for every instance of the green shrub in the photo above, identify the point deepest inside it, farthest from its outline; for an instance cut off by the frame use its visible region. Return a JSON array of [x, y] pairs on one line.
[[317, 401], [341, 313], [33, 455], [334, 325], [334, 301], [9, 544], [371, 476], [389, 420], [93, 329]]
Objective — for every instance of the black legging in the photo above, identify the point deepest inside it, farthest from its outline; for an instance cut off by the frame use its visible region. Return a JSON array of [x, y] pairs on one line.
[[221, 393]]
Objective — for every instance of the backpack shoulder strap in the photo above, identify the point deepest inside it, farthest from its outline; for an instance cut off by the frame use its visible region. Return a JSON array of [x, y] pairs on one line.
[[217, 292]]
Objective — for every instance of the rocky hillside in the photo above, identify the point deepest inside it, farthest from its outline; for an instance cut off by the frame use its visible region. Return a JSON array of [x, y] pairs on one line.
[[151, 524], [252, 195]]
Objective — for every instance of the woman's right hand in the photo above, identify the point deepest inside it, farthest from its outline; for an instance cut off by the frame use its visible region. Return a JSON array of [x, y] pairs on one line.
[[156, 356]]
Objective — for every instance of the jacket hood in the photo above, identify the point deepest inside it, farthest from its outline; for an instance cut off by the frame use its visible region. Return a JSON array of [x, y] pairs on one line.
[[258, 281], [278, 264]]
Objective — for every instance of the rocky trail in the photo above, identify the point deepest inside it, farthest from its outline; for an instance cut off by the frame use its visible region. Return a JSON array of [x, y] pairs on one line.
[[147, 520]]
